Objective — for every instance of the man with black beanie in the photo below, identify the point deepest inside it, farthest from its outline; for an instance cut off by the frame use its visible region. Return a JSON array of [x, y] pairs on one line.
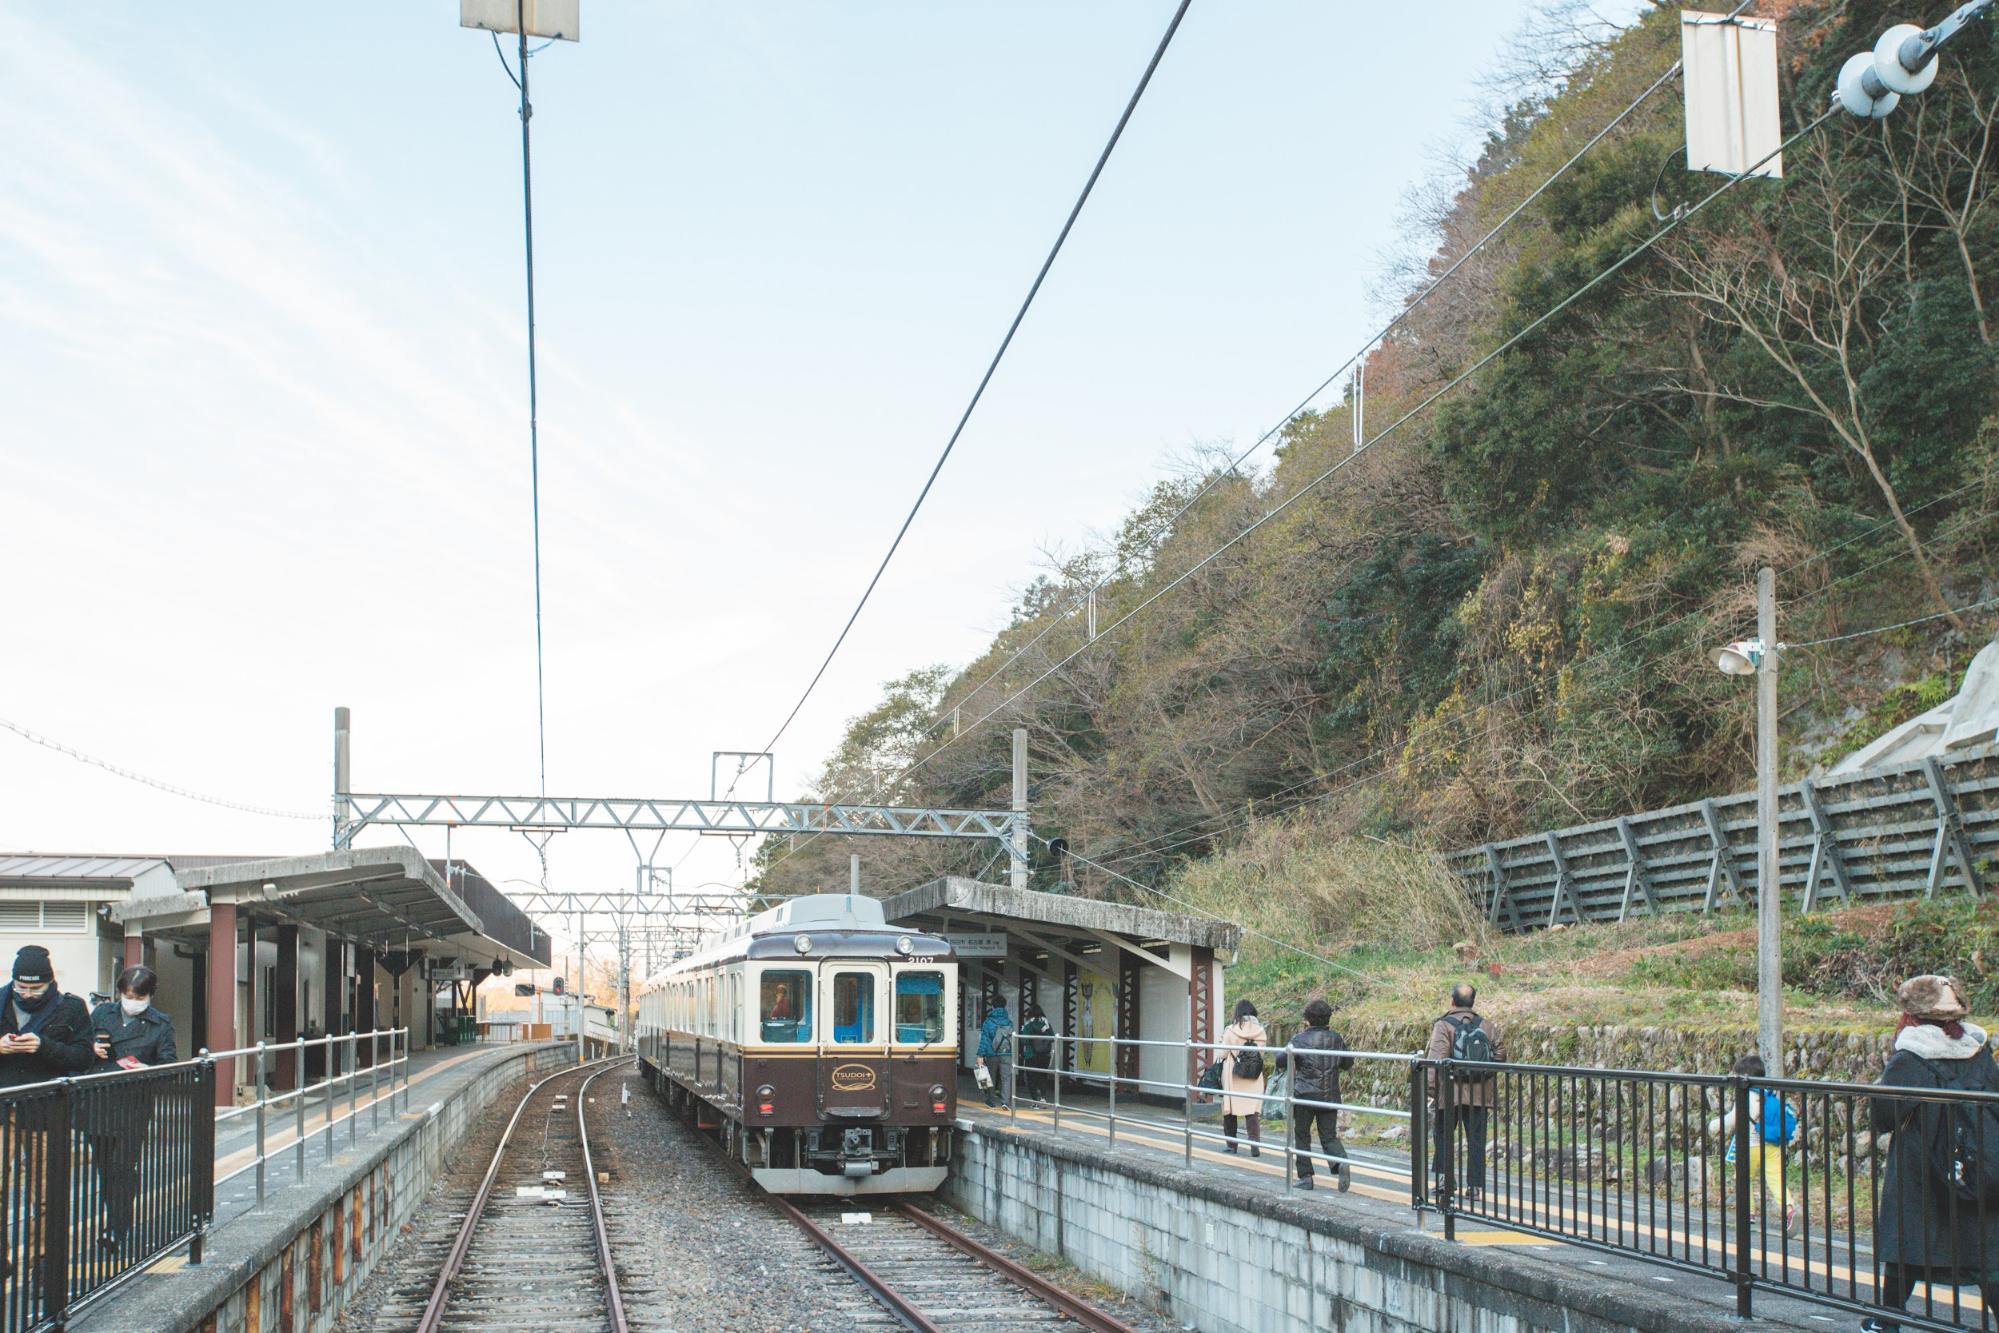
[[44, 1034]]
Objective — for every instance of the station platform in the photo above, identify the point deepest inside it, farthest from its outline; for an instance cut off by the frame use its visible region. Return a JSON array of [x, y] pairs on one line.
[[1150, 1141], [446, 1085]]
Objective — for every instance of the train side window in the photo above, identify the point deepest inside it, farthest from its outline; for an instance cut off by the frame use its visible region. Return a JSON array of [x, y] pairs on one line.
[[784, 1006], [919, 1007], [853, 1007]]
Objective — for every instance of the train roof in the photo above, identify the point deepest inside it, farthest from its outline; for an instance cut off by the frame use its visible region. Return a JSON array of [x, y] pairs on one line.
[[849, 924]]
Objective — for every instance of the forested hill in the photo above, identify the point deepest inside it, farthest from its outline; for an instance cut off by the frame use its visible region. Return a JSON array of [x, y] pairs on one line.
[[1499, 617]]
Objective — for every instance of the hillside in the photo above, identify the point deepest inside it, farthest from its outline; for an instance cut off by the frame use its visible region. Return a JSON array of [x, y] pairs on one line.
[[1498, 617]]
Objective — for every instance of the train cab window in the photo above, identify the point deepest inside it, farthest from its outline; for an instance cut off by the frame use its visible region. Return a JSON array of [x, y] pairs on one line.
[[919, 1007], [853, 1007], [784, 1006]]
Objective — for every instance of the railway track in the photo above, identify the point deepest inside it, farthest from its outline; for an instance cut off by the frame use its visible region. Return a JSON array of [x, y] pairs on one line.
[[531, 1252], [929, 1275]]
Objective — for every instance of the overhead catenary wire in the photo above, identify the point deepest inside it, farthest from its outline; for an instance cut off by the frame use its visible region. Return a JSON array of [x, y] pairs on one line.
[[992, 367], [50, 743]]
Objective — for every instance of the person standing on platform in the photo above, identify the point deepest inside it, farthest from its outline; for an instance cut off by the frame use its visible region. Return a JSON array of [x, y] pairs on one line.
[[44, 1035], [1243, 1076], [1465, 1034], [996, 1052], [1315, 1086], [129, 1033], [1037, 1049]]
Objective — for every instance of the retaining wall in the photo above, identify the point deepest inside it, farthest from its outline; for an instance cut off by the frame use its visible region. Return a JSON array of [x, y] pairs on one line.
[[1229, 1258], [294, 1267]]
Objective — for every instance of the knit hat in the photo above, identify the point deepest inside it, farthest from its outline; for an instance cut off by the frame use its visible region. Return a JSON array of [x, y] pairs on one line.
[[32, 964], [1931, 999]]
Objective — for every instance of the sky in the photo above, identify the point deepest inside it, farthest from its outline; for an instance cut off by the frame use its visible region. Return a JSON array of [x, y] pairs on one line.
[[263, 352]]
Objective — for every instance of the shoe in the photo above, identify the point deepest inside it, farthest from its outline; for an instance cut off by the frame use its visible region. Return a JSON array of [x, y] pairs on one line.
[[1793, 1220], [1234, 1148], [1255, 1151], [1303, 1183], [1876, 1326], [1346, 1177]]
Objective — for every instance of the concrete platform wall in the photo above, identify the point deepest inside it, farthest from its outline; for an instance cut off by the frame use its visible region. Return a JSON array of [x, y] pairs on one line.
[[1226, 1258], [293, 1268]]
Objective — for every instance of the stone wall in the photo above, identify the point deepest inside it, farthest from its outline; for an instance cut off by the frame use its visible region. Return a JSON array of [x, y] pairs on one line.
[[311, 1257], [1227, 1257]]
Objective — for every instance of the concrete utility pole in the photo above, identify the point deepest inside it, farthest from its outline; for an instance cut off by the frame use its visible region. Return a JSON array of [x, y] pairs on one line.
[[853, 872], [1017, 872], [1769, 887], [342, 772]]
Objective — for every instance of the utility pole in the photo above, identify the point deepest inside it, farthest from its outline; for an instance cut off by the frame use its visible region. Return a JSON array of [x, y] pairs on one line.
[[853, 872], [1769, 887], [1017, 872], [580, 989]]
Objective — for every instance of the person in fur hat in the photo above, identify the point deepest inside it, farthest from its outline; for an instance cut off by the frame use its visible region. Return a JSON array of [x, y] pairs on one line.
[[1924, 1230]]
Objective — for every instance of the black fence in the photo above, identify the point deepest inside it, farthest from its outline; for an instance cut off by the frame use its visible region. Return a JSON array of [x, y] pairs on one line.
[[1851, 1196], [100, 1176]]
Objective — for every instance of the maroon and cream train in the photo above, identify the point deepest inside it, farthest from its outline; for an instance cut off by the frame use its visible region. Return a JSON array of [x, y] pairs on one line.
[[821, 1043]]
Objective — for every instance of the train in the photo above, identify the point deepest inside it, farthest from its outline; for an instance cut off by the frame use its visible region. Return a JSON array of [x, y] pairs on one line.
[[818, 1043]]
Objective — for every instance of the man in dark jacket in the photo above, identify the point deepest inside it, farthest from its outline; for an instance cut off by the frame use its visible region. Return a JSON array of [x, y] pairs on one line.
[[1472, 1092], [44, 1034], [1316, 1079]]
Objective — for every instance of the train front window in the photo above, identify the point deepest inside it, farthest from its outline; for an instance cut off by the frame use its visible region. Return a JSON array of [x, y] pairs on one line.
[[785, 1006], [853, 1007], [919, 1007]]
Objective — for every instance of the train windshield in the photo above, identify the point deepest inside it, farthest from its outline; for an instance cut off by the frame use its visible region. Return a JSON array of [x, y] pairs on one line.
[[785, 1006], [853, 1007], [919, 1007]]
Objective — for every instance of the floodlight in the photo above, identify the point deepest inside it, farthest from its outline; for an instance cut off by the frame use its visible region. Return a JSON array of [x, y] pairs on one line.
[[1740, 658]]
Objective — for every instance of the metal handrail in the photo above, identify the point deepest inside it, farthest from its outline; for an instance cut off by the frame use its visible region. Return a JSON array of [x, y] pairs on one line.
[[347, 1078]]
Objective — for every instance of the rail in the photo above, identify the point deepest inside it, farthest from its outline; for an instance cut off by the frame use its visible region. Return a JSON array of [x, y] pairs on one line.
[[1831, 1193]]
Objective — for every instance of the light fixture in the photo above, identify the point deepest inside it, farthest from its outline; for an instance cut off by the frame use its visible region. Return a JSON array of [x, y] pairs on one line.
[[905, 945], [1740, 658], [802, 943]]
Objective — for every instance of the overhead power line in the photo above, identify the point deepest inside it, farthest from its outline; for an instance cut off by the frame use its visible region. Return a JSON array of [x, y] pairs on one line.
[[992, 367], [1889, 629], [50, 743]]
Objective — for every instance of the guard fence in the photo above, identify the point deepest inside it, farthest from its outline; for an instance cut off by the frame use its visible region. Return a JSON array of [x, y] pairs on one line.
[[103, 1175], [1865, 1199]]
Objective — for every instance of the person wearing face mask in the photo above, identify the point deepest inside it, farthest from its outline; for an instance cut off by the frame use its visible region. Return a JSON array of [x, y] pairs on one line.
[[127, 1033], [44, 1035]]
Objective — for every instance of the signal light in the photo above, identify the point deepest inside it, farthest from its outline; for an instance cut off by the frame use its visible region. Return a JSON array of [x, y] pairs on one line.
[[766, 1100]]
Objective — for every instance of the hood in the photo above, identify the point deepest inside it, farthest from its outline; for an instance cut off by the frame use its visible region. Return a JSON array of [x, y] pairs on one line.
[[1928, 1043], [1247, 1027]]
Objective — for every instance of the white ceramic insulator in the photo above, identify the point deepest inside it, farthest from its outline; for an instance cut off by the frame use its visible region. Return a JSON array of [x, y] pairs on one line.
[[1888, 65], [1853, 94]]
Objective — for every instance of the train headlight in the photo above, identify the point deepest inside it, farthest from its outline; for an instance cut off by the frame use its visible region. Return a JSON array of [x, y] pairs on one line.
[[905, 945], [938, 1105], [802, 943], [766, 1100]]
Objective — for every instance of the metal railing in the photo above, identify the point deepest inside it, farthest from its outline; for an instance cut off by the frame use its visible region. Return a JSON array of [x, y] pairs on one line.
[[102, 1175], [1842, 1201]]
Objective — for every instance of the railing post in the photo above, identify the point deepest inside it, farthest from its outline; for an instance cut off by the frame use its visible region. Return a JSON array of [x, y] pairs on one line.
[[1419, 1140], [262, 1103], [332, 1064], [53, 1220], [1113, 1084], [1055, 1070], [202, 1187], [1743, 1273], [298, 1111], [1012, 1089], [353, 1088], [1447, 1145], [1290, 1111], [375, 1080]]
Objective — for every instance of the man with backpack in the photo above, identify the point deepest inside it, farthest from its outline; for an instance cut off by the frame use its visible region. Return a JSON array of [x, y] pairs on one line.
[[996, 1053], [1937, 1219], [1037, 1050], [1464, 1034]]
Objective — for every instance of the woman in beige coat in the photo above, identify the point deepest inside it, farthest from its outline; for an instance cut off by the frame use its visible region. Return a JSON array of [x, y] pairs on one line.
[[1243, 1096]]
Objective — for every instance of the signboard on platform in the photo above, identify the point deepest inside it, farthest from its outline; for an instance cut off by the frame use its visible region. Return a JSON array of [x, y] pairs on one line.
[[991, 945]]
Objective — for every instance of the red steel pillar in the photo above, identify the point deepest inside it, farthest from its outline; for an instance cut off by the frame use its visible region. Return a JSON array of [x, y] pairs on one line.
[[221, 1034]]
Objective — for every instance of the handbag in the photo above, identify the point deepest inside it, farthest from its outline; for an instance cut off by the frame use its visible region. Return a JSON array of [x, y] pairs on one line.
[[983, 1077], [1211, 1077]]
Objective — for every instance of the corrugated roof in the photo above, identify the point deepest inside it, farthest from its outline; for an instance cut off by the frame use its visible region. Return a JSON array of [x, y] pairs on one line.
[[102, 865]]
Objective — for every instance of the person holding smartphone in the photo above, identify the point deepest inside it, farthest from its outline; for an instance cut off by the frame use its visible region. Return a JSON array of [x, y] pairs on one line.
[[44, 1035], [128, 1033]]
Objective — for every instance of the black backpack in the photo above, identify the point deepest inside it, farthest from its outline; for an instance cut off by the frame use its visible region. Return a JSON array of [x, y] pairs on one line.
[[1471, 1042], [1249, 1061], [1964, 1152]]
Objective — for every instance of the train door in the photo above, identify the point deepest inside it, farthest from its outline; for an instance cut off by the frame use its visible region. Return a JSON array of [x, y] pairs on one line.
[[853, 1055]]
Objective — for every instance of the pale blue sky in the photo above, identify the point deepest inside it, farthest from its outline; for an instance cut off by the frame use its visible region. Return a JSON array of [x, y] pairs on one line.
[[261, 346]]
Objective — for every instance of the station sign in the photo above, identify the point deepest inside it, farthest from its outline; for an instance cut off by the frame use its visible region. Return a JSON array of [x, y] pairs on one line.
[[991, 945]]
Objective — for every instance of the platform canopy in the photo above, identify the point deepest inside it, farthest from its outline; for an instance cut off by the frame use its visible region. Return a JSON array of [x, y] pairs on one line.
[[385, 895]]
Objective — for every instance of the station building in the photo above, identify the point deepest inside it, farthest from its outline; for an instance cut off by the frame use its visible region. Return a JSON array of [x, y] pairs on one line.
[[1096, 969], [253, 949]]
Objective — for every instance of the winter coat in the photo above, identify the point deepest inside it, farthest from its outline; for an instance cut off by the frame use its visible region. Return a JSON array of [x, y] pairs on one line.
[[1315, 1078], [1442, 1033], [1918, 1221], [149, 1038], [996, 1034], [64, 1027], [1037, 1042], [1243, 1032]]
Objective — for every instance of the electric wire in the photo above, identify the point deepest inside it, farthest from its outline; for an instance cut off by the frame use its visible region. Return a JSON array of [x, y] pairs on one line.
[[992, 367], [50, 743], [1889, 629], [1673, 224]]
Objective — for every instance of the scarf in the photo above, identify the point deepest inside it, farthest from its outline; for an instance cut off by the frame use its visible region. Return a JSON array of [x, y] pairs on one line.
[[1952, 1029]]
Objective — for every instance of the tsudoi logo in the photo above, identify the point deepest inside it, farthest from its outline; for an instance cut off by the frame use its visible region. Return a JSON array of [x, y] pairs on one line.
[[853, 1078]]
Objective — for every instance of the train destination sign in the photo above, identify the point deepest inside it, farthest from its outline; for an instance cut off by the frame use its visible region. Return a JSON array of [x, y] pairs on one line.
[[992, 945]]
